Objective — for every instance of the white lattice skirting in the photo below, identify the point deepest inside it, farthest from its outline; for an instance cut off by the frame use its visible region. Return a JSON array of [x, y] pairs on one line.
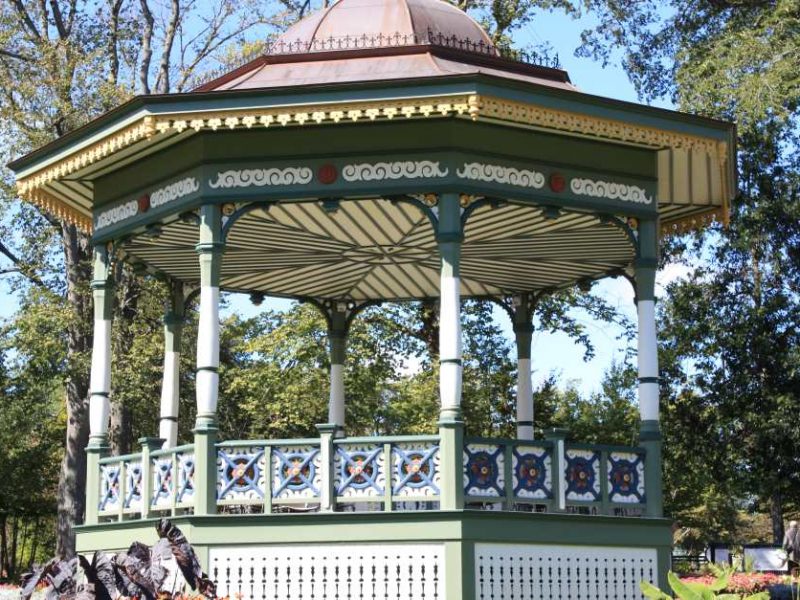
[[330, 571], [525, 572], [416, 572]]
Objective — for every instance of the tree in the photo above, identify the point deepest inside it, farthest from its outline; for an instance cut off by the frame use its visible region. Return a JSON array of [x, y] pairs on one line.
[[731, 329], [62, 63]]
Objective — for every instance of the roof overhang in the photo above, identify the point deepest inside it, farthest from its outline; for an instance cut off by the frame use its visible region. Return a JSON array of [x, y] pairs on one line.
[[696, 164]]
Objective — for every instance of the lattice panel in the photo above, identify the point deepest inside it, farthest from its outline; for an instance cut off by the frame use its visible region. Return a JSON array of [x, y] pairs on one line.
[[330, 571], [504, 571], [532, 472], [109, 487], [626, 477], [483, 470], [359, 470], [583, 475], [241, 474], [133, 485], [416, 470]]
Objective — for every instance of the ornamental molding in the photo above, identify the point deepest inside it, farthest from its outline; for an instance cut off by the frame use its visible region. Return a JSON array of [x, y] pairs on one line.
[[473, 106], [503, 175], [174, 191], [243, 178], [549, 118], [610, 190], [118, 213], [401, 169]]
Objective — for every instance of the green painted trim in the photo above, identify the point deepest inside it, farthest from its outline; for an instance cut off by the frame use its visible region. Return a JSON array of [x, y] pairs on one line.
[[294, 442], [507, 441], [604, 447], [420, 526], [451, 463], [392, 439], [118, 458], [175, 450], [375, 90], [205, 471], [604, 495], [650, 439]]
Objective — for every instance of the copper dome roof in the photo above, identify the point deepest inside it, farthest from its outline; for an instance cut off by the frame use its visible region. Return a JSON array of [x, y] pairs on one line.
[[357, 41], [407, 21]]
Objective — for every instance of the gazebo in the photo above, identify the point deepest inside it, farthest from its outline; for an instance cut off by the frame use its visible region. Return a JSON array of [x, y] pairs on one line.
[[384, 150]]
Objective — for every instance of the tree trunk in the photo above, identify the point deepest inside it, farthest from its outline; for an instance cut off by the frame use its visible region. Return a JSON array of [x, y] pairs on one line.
[[72, 479], [3, 547], [776, 514], [127, 292]]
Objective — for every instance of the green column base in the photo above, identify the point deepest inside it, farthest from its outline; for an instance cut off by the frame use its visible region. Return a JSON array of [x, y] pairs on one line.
[[96, 450], [651, 440], [205, 468], [451, 447]]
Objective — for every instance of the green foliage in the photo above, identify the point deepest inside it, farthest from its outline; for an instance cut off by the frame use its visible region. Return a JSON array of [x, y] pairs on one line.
[[699, 591]]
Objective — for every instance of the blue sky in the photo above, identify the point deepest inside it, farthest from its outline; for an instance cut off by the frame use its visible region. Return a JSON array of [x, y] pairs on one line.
[[551, 353]]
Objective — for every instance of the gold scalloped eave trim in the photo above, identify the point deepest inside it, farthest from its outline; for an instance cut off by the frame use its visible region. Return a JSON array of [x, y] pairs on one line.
[[58, 209]]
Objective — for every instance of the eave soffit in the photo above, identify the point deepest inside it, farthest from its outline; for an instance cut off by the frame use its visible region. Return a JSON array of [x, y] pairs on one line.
[[152, 123]]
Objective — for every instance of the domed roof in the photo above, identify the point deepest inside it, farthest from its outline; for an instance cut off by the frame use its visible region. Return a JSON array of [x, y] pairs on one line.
[[402, 22], [357, 41]]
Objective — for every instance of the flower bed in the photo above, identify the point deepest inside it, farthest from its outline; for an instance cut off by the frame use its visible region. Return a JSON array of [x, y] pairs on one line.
[[744, 583]]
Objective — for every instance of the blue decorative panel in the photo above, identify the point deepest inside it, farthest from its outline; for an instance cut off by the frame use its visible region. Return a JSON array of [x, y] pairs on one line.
[[483, 470], [109, 487], [583, 475], [163, 483], [240, 474], [133, 485], [532, 471], [416, 470], [360, 470], [185, 494], [296, 472], [626, 477]]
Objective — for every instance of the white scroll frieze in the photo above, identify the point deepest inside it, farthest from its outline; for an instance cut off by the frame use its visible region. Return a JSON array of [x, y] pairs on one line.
[[241, 178], [612, 191], [503, 175], [117, 214], [174, 191], [404, 169]]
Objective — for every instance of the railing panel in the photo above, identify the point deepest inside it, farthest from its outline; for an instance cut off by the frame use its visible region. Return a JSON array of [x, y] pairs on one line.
[[626, 477], [582, 475], [532, 468], [133, 486], [416, 470], [241, 475], [296, 473], [110, 488], [185, 484], [359, 471], [484, 471], [172, 484]]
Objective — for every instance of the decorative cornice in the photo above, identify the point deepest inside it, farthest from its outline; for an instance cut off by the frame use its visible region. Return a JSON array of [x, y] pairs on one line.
[[608, 189], [58, 209], [561, 120], [503, 175], [242, 178], [471, 106], [383, 171]]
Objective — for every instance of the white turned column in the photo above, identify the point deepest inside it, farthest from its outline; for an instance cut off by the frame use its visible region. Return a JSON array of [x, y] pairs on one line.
[[100, 378], [337, 342], [524, 400], [209, 248], [170, 388], [650, 427], [523, 332], [450, 345], [647, 360]]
